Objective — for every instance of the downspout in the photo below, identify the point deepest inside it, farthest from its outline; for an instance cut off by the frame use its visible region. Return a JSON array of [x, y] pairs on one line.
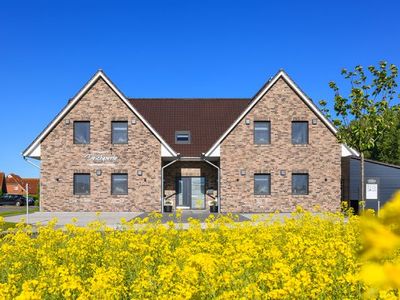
[[162, 182], [40, 190], [219, 181]]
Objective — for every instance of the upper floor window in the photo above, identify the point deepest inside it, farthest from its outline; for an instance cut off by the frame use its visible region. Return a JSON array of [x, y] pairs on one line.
[[182, 137], [81, 184], [262, 132], [81, 132], [299, 132], [262, 184], [119, 184], [119, 132], [300, 184]]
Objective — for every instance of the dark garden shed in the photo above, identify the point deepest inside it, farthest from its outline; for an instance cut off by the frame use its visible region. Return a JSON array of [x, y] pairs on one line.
[[385, 176]]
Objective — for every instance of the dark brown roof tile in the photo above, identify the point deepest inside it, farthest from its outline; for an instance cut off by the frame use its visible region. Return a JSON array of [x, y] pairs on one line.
[[206, 119]]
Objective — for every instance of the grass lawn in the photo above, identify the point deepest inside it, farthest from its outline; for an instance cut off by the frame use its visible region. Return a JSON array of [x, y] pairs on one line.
[[8, 211]]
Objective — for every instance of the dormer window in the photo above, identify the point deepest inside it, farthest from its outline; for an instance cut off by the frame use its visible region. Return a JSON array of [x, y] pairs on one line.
[[182, 137]]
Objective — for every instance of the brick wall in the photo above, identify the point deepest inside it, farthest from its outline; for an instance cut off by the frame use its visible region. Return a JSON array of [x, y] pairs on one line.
[[61, 158], [320, 158]]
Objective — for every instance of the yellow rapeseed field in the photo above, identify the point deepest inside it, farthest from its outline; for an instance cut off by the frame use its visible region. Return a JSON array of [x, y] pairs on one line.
[[327, 256]]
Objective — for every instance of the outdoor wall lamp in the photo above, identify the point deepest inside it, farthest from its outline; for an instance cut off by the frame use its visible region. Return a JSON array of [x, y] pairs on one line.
[[98, 172], [139, 172]]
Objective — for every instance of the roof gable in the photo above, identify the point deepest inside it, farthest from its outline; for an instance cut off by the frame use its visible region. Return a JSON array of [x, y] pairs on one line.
[[34, 147], [260, 94]]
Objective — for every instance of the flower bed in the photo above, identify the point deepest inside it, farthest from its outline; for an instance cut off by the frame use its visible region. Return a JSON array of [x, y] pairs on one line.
[[306, 257]]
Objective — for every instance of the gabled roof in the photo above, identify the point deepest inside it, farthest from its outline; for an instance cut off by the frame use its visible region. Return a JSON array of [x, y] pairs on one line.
[[35, 145], [33, 183], [206, 119], [260, 94], [14, 178], [209, 120]]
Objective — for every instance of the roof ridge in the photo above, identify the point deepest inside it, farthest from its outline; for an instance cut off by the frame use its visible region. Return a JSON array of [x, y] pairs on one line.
[[189, 98]]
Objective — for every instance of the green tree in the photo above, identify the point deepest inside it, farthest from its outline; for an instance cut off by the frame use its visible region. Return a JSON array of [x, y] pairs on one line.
[[360, 116], [387, 149]]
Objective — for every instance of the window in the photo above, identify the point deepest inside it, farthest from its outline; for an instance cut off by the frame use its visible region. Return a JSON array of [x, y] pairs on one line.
[[299, 132], [299, 184], [81, 132], [119, 133], [262, 184], [262, 132], [182, 137], [119, 184], [81, 184]]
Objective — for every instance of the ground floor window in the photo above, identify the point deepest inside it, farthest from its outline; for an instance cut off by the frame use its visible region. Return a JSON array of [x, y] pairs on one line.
[[300, 184], [262, 184], [119, 184], [81, 184]]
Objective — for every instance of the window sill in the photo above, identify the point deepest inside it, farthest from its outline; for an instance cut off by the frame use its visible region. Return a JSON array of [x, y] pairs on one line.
[[262, 196], [81, 195], [300, 145], [300, 195]]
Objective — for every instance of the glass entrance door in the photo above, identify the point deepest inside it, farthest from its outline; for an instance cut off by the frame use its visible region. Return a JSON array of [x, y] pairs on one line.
[[190, 192]]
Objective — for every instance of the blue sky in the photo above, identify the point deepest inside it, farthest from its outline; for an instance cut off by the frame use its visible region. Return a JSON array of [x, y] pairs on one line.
[[49, 49]]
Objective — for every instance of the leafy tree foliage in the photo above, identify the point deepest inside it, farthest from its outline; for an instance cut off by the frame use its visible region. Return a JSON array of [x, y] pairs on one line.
[[362, 116], [387, 148]]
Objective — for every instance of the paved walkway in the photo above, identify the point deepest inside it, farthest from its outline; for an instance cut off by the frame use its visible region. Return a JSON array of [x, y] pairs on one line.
[[186, 215], [112, 219]]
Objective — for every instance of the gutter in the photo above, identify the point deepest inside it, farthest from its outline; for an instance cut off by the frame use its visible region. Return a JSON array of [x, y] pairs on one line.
[[162, 181], [219, 181], [40, 190]]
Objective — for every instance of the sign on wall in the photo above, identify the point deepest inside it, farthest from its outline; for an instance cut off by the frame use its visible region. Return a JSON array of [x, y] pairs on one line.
[[101, 158], [371, 189]]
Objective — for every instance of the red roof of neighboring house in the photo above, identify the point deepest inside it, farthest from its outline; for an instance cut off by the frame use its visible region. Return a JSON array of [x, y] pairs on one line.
[[14, 178], [206, 119], [2, 182], [33, 183]]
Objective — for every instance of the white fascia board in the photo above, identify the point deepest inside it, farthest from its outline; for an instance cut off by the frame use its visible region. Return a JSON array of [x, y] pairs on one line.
[[260, 95], [35, 152], [165, 152], [216, 152], [99, 74], [347, 151]]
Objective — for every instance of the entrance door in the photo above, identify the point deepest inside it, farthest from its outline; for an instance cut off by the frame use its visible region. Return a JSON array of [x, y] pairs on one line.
[[190, 192]]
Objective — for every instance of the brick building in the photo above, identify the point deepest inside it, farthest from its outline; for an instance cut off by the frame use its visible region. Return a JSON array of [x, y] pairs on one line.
[[107, 152]]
